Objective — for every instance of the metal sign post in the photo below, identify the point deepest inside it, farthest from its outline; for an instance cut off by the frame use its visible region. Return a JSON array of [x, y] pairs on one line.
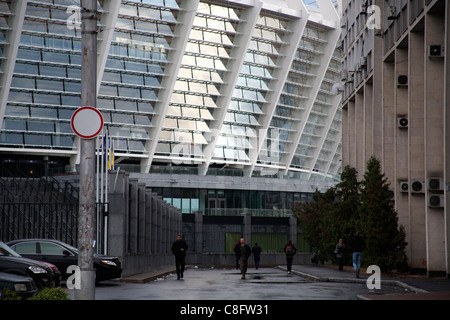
[[87, 210]]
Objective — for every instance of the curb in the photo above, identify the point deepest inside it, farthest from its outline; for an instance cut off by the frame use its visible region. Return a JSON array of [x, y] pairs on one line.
[[147, 277], [349, 280]]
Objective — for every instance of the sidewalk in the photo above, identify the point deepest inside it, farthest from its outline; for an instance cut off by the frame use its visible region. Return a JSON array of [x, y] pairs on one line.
[[417, 287]]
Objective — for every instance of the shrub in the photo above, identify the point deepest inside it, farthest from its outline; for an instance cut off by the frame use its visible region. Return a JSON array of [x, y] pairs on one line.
[[10, 295], [51, 294]]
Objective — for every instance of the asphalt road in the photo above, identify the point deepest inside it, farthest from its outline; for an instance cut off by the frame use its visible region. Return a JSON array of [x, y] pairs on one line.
[[226, 284]]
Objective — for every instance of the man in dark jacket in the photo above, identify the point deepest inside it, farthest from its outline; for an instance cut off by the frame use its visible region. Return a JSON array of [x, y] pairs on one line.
[[290, 250], [256, 250], [179, 248], [243, 251], [358, 245]]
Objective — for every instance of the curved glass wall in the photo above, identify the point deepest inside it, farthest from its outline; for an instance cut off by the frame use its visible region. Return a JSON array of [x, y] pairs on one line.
[[46, 85]]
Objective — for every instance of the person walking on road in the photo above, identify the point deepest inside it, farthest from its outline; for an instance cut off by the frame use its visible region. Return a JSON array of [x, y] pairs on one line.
[[179, 248], [256, 250], [243, 251], [236, 255], [358, 245], [290, 250], [339, 251]]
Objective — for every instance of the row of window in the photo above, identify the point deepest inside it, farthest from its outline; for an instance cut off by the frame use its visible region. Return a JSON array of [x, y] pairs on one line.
[[191, 200]]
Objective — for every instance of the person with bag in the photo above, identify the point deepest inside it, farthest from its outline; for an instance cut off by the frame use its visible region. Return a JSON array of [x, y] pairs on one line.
[[290, 250]]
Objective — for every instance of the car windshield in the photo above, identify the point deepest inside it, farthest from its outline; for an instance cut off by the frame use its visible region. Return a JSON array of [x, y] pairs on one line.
[[7, 251]]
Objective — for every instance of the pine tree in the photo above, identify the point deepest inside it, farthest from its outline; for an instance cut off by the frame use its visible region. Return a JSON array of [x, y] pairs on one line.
[[384, 238], [345, 211], [313, 217]]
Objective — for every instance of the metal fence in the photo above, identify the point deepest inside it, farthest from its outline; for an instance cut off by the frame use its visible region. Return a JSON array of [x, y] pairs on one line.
[[38, 208]]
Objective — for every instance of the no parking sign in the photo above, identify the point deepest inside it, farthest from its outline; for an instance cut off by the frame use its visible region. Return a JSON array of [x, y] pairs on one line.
[[87, 122]]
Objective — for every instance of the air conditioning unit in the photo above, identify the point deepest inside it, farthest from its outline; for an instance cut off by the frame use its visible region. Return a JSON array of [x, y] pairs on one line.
[[363, 62], [363, 9], [436, 200], [404, 186], [402, 122], [435, 51], [379, 33], [435, 184], [391, 13], [418, 186], [402, 81]]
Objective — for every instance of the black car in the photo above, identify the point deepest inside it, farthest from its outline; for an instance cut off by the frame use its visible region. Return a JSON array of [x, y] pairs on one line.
[[63, 255], [11, 262], [22, 286]]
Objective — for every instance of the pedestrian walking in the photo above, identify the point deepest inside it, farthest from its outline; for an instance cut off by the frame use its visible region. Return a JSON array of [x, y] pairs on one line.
[[179, 248], [290, 250], [358, 245], [243, 251], [236, 255], [339, 251], [256, 250]]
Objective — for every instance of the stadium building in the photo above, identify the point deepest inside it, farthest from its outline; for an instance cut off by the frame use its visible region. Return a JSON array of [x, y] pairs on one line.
[[219, 107], [196, 90]]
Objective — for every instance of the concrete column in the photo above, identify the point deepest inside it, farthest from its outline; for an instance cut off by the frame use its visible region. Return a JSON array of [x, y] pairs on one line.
[[351, 134], [434, 140], [345, 138], [447, 136], [148, 221], [293, 228], [401, 133], [118, 217], [154, 223], [360, 163], [247, 227], [415, 228], [141, 218], [159, 234], [133, 216], [368, 121], [389, 83], [198, 240]]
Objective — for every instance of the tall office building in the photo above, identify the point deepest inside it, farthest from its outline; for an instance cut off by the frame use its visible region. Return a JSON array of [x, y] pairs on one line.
[[395, 107], [215, 104]]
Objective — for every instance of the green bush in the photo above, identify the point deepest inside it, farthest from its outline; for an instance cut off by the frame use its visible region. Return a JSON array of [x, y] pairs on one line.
[[10, 295], [51, 294]]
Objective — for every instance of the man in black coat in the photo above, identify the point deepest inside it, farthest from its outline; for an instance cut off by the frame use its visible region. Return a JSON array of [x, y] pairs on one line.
[[179, 248], [243, 251]]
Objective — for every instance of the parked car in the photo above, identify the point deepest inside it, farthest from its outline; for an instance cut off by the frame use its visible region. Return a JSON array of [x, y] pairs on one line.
[[23, 286], [57, 274], [12, 262], [62, 255]]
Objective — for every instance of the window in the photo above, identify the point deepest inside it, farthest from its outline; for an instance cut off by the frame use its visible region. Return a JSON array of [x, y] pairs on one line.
[[51, 249], [25, 248]]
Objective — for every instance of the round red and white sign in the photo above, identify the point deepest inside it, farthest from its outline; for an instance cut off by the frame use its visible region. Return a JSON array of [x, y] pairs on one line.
[[87, 122]]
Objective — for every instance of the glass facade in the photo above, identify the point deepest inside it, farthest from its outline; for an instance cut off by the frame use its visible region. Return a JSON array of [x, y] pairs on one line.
[[45, 87], [232, 202]]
